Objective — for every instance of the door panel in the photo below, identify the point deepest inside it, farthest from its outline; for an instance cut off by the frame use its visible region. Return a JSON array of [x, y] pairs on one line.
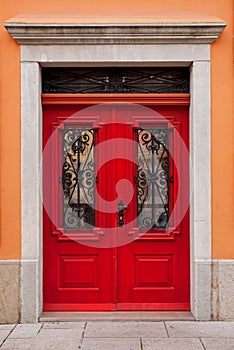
[[145, 263], [154, 269], [76, 275]]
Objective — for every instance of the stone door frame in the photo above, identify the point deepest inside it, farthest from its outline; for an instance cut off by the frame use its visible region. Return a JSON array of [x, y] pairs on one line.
[[170, 43]]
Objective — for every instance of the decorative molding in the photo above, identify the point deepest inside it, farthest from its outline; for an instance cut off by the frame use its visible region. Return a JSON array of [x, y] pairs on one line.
[[161, 32], [150, 99]]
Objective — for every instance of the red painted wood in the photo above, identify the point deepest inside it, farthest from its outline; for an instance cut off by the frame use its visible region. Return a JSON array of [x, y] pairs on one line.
[[155, 99], [153, 306], [151, 273], [60, 286], [157, 270], [79, 307]]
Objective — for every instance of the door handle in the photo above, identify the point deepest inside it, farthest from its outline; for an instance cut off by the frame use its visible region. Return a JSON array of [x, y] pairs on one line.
[[121, 208]]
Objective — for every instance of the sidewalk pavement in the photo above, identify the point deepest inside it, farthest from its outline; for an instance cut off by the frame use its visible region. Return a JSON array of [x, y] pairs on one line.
[[118, 335]]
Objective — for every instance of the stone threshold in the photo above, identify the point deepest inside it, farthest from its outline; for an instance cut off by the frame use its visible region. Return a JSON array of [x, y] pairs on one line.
[[116, 316]]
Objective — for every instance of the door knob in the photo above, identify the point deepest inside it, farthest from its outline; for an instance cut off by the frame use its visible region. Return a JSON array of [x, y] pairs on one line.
[[121, 208]]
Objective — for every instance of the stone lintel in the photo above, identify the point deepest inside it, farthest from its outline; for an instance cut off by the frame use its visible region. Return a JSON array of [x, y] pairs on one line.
[[31, 32]]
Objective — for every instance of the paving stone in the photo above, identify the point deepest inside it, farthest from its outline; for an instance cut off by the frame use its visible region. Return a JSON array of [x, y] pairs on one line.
[[17, 344], [7, 326], [217, 344], [200, 329], [125, 329], [3, 334], [110, 344], [171, 344], [67, 339], [26, 330], [64, 325]]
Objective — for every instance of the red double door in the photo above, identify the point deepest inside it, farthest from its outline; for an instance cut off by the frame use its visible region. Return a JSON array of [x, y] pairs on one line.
[[116, 195]]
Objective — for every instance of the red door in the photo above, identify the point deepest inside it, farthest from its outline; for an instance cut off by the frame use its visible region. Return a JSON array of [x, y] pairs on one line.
[[116, 195]]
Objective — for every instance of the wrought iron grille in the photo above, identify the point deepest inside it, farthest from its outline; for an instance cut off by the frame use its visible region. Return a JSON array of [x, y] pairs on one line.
[[115, 80], [153, 178], [78, 179]]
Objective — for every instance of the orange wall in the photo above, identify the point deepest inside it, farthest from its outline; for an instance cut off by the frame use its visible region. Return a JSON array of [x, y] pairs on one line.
[[222, 106]]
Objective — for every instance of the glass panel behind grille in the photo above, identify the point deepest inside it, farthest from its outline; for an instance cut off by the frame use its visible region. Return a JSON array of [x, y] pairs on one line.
[[114, 80], [153, 178], [78, 179]]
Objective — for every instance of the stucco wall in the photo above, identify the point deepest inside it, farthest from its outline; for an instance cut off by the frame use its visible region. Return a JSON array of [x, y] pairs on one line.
[[222, 89]]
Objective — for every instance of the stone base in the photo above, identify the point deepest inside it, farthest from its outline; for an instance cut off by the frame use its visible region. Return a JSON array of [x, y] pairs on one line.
[[9, 291], [222, 302], [223, 290]]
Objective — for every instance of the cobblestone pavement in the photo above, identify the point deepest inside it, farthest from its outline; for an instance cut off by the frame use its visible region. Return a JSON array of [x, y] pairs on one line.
[[115, 335]]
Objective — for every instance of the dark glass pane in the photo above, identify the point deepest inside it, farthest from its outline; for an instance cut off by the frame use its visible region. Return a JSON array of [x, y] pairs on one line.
[[153, 178], [116, 80], [78, 179]]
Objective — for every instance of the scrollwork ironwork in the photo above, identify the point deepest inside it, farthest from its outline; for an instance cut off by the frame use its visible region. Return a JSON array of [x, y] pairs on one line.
[[153, 178], [115, 80], [78, 178]]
